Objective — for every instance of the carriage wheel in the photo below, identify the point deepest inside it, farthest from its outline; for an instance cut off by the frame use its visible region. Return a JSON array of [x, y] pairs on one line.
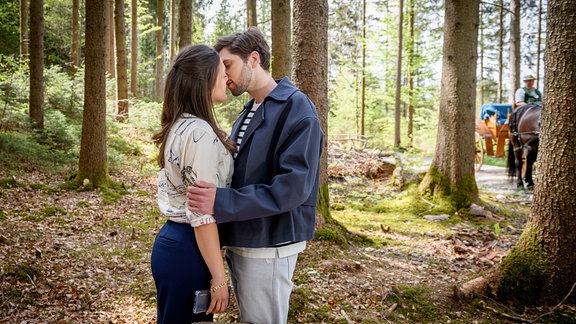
[[479, 155]]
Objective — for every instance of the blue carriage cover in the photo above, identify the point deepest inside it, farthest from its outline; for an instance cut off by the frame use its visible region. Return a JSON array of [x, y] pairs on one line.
[[490, 109]]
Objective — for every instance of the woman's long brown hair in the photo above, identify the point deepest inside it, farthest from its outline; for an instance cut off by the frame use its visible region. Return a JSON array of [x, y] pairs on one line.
[[188, 89]]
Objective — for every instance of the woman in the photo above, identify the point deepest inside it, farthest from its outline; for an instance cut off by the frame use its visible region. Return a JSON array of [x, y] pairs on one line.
[[186, 254]]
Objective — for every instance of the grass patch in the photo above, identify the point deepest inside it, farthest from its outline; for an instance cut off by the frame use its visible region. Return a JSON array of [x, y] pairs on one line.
[[494, 161], [53, 211], [42, 187], [414, 305], [113, 192], [8, 183], [300, 304]]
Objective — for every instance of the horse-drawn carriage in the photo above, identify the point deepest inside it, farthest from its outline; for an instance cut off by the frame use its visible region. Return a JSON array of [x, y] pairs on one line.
[[491, 129], [521, 127]]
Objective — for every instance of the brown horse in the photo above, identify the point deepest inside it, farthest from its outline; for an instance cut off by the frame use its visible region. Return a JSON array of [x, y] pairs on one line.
[[524, 125]]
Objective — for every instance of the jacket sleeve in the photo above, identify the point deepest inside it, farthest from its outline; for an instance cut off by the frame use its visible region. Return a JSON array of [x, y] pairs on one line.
[[299, 163]]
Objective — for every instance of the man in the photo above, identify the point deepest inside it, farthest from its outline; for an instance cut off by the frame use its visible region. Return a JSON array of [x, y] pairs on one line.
[[528, 93], [268, 214]]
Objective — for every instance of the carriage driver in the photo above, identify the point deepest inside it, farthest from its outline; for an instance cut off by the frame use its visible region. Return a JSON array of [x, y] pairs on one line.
[[527, 94]]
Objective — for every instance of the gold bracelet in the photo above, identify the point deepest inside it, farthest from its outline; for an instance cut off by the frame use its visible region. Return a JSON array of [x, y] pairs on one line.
[[213, 288]]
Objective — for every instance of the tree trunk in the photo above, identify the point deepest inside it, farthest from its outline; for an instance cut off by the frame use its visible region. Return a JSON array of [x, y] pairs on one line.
[[160, 51], [542, 267], [500, 52], [481, 56], [37, 63], [110, 39], [185, 23], [411, 75], [397, 111], [121, 65], [451, 174], [92, 164], [281, 39], [514, 49], [134, 49], [172, 29], [310, 74], [75, 35], [251, 17], [538, 44], [363, 70], [23, 29]]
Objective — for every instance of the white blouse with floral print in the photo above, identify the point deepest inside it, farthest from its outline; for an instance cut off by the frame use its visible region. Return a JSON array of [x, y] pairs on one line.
[[193, 152]]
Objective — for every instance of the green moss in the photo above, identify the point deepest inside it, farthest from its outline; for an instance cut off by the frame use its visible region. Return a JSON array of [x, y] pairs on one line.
[[523, 270], [323, 206], [2, 216], [82, 204], [42, 187], [300, 303], [411, 202], [33, 218], [331, 234], [111, 191], [413, 305], [438, 187], [52, 211], [8, 183], [21, 272], [337, 206], [110, 196]]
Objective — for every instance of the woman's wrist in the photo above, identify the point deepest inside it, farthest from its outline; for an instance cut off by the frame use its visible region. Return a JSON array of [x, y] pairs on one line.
[[214, 285]]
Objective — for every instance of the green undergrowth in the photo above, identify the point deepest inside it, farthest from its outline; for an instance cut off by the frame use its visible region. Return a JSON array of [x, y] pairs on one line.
[[400, 212], [21, 152], [412, 302]]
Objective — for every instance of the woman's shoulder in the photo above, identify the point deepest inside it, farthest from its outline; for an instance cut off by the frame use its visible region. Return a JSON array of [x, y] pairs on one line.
[[188, 123]]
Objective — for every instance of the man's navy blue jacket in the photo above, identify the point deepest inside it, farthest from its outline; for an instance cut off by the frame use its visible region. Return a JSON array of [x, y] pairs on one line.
[[273, 196]]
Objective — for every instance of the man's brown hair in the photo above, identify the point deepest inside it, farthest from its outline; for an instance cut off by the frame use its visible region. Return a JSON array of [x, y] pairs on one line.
[[244, 43]]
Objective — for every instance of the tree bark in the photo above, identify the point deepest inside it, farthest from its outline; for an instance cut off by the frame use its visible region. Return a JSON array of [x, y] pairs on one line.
[[185, 23], [363, 70], [23, 29], [481, 57], [75, 35], [172, 29], [93, 165], [251, 16], [452, 171], [411, 75], [134, 49], [501, 52], [310, 74], [110, 40], [36, 109], [121, 64], [514, 49], [281, 39], [397, 111], [542, 267], [160, 51], [538, 44]]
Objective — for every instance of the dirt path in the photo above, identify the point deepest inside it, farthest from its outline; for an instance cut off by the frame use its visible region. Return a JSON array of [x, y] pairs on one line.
[[495, 180]]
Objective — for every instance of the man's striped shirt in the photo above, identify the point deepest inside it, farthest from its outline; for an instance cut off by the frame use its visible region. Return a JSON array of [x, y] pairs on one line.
[[244, 126]]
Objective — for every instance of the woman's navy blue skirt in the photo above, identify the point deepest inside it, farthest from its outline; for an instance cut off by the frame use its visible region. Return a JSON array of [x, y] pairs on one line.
[[178, 270]]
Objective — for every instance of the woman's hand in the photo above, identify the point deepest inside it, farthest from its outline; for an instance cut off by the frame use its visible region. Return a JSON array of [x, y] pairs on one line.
[[218, 298]]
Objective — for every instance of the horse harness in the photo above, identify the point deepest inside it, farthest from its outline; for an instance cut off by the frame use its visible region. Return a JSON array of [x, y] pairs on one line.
[[534, 134]]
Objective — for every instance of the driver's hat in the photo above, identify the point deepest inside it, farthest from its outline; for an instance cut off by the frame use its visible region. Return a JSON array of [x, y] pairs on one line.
[[529, 77]]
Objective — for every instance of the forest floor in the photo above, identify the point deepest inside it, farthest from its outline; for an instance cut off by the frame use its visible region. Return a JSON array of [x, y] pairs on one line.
[[83, 257]]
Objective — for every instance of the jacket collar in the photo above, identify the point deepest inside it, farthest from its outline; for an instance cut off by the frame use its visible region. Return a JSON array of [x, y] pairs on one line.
[[281, 92]]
